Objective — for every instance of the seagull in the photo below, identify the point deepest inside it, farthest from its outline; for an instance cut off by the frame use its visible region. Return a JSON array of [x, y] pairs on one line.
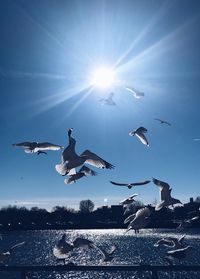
[[62, 249], [138, 220], [137, 94], [140, 134], [109, 100], [165, 195], [36, 147], [84, 171], [4, 256], [107, 255], [130, 185], [187, 222], [70, 160], [163, 121], [179, 254], [80, 242], [171, 242], [128, 200]]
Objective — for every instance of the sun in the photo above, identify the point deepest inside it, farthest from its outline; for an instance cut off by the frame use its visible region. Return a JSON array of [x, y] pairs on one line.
[[103, 77]]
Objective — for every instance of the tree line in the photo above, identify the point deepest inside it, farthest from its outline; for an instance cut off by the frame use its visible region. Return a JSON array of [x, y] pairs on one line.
[[63, 217]]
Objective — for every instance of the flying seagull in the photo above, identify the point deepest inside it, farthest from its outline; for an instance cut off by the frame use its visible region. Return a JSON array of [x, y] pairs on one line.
[[165, 194], [163, 121], [130, 185], [109, 100], [36, 147], [107, 255], [70, 159], [83, 243], [128, 200], [187, 223], [137, 94], [4, 256], [84, 171], [171, 242], [140, 134], [179, 254], [139, 220], [62, 249]]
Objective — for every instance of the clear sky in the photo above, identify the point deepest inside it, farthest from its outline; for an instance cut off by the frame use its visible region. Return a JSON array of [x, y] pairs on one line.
[[48, 52]]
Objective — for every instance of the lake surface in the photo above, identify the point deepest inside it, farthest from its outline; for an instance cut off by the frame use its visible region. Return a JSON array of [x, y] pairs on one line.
[[38, 251]]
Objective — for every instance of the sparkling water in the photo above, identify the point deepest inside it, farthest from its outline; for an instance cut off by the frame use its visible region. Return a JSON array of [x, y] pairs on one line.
[[131, 248]]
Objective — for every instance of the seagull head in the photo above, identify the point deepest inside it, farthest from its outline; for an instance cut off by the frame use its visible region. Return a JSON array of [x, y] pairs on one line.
[[70, 132]]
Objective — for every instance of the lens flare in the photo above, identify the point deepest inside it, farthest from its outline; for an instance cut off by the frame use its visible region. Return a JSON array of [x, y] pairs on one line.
[[103, 77]]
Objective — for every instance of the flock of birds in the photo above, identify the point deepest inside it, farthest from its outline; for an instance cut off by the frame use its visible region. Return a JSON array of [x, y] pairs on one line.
[[71, 161]]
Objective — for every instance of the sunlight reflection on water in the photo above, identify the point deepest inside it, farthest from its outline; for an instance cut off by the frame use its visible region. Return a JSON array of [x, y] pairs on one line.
[[130, 248]]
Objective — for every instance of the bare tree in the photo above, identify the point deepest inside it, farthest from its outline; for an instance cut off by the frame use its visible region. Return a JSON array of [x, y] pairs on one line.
[[86, 206]]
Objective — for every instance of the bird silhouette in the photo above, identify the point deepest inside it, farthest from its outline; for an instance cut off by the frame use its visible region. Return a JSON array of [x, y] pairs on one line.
[[130, 185], [109, 100], [163, 121]]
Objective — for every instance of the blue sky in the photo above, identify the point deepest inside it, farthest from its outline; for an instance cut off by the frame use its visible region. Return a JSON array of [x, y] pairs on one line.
[[48, 51]]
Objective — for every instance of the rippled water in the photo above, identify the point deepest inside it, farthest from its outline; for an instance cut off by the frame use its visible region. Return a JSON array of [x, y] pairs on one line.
[[38, 251]]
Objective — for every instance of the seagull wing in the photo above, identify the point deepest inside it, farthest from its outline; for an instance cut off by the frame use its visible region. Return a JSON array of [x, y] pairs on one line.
[[142, 138], [29, 147], [83, 243], [120, 184], [95, 160], [22, 144], [164, 187], [143, 213], [131, 199], [87, 171], [17, 246], [48, 146], [129, 218], [140, 183], [162, 121], [112, 250]]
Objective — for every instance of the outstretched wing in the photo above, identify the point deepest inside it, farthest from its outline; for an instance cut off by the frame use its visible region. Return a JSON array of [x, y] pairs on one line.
[[48, 146], [162, 121], [23, 144], [96, 161], [164, 187], [87, 171], [129, 218], [119, 184], [142, 138], [17, 246]]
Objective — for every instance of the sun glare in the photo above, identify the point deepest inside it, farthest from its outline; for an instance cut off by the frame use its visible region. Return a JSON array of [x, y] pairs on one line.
[[103, 77]]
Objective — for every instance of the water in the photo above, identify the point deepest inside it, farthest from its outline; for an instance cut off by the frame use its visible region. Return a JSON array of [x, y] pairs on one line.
[[38, 251]]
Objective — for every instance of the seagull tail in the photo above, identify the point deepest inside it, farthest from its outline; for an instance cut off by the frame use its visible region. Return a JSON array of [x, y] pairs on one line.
[[60, 169]]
